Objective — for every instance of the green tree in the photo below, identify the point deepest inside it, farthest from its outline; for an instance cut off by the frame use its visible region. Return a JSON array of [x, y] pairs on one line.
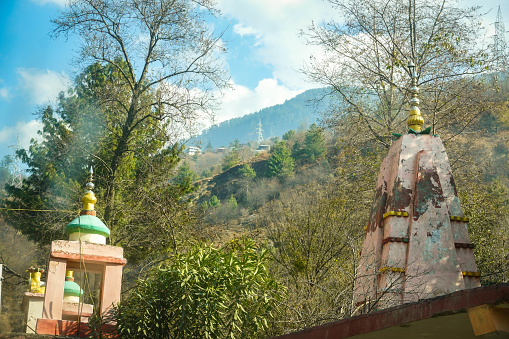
[[231, 159], [235, 144], [214, 201], [314, 145], [5, 173], [205, 293], [186, 177], [289, 135], [280, 163], [77, 133], [232, 202], [165, 78], [247, 172]]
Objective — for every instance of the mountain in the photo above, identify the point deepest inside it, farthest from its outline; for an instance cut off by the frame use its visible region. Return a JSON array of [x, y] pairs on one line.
[[304, 109]]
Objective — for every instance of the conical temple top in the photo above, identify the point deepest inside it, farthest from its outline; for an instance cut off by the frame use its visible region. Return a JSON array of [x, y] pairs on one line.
[[87, 227], [417, 244]]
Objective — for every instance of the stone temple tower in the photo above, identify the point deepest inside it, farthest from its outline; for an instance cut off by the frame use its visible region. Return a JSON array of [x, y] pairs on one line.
[[417, 244]]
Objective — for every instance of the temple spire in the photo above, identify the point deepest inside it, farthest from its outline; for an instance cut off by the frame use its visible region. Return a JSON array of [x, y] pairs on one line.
[[89, 198], [415, 120], [87, 227]]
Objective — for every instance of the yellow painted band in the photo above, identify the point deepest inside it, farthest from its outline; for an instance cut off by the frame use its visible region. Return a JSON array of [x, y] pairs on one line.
[[395, 213]]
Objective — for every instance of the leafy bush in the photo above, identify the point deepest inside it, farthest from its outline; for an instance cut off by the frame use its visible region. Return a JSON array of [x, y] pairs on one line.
[[205, 293]]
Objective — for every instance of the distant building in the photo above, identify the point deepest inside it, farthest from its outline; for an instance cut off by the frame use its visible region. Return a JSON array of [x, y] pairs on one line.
[[192, 150], [263, 148], [221, 150], [240, 147]]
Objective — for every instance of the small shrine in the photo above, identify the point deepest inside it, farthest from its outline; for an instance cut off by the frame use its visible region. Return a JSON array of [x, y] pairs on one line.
[[35, 284], [417, 244], [33, 298], [63, 309]]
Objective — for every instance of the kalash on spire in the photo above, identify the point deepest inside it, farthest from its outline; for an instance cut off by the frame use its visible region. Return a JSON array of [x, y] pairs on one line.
[[417, 244], [87, 227], [415, 120]]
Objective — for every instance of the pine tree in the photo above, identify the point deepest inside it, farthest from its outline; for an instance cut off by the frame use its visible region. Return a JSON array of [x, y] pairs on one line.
[[232, 202], [280, 163], [231, 159], [247, 172], [214, 201], [289, 135], [186, 177], [209, 147], [314, 145]]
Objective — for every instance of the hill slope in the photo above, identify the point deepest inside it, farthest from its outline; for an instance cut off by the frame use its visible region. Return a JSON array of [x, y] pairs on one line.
[[276, 120]]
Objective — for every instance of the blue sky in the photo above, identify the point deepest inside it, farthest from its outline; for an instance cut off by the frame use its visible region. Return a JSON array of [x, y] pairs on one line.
[[264, 55]]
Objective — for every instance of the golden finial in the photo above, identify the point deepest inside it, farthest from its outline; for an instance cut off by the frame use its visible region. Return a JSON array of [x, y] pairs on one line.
[[89, 198], [415, 120], [69, 275]]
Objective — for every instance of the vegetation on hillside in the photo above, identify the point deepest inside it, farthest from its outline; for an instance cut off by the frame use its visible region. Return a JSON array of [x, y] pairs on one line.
[[302, 110], [240, 243]]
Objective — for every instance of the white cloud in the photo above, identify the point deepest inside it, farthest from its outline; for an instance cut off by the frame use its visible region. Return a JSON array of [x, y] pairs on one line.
[[276, 26], [42, 86], [240, 100], [28, 131], [25, 130], [4, 93], [236, 102], [242, 30], [61, 3]]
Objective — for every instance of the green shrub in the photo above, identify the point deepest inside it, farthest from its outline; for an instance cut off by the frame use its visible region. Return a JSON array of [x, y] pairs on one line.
[[205, 293]]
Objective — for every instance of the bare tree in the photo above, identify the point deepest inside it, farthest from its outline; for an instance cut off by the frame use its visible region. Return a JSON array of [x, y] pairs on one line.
[[166, 66], [316, 235], [368, 49]]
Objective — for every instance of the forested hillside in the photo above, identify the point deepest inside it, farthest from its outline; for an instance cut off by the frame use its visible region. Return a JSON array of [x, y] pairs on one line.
[[303, 110], [237, 243]]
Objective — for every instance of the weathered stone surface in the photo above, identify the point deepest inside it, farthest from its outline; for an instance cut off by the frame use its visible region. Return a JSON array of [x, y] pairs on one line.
[[416, 180]]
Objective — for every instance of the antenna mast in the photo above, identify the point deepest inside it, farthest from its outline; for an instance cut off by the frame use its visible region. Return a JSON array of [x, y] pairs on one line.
[[17, 179], [259, 131], [500, 45]]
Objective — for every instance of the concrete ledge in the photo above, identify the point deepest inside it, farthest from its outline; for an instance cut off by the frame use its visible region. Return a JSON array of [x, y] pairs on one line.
[[88, 252], [71, 328], [395, 320], [73, 247], [76, 309]]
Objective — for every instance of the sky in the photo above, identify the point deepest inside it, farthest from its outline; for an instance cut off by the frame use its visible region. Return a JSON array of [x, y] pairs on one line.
[[264, 55]]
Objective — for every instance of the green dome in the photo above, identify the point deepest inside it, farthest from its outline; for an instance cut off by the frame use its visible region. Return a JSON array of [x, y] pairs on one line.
[[72, 289], [87, 224]]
